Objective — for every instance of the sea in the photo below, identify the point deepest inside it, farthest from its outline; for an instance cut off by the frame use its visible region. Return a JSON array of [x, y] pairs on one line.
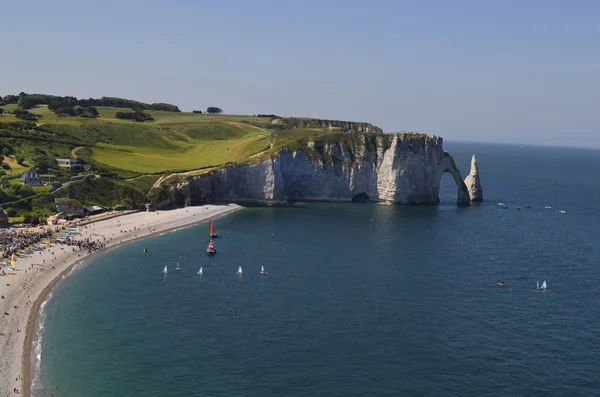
[[359, 299]]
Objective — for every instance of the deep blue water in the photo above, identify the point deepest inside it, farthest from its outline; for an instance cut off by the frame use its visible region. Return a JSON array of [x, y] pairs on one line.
[[361, 299]]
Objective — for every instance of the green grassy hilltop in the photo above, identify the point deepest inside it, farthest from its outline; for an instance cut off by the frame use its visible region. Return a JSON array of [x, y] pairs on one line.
[[35, 129]]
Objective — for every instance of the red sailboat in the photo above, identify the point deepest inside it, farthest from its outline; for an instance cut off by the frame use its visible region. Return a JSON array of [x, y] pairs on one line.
[[211, 229], [211, 250]]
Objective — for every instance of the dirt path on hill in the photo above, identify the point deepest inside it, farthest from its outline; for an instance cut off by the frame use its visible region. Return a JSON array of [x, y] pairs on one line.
[[74, 151]]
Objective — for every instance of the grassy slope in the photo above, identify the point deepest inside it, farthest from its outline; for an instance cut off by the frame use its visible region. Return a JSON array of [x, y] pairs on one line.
[[173, 141]]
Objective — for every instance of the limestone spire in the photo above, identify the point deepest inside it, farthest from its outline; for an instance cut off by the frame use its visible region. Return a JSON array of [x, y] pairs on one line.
[[473, 183]]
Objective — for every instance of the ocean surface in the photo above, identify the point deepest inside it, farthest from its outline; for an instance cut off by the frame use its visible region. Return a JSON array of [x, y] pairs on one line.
[[360, 299]]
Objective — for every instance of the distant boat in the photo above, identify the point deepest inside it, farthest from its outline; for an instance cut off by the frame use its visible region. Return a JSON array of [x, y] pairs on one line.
[[501, 284], [145, 250], [200, 271], [504, 207], [177, 267], [262, 270], [562, 212], [239, 272], [501, 204], [211, 250], [548, 207], [526, 206], [211, 229], [165, 271], [544, 286]]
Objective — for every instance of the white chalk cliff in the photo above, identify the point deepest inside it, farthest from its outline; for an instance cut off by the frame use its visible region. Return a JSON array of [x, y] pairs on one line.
[[473, 183], [399, 168]]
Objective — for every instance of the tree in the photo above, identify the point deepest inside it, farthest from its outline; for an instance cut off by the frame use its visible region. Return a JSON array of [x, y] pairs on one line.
[[214, 110], [137, 115], [1, 111], [197, 111], [9, 99]]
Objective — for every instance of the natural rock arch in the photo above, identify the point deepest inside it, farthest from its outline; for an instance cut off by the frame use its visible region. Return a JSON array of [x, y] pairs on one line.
[[462, 195]]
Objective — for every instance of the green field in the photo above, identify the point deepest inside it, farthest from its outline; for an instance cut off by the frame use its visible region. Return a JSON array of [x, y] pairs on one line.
[[172, 142]]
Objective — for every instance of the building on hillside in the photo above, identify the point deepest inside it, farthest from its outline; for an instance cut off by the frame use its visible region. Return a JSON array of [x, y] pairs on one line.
[[3, 218], [93, 210], [52, 220], [71, 208], [70, 164], [31, 178]]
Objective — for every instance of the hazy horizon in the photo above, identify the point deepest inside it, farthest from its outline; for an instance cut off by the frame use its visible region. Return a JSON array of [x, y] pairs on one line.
[[515, 72]]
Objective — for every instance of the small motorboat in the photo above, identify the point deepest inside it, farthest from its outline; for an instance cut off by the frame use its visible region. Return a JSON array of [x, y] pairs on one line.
[[501, 204], [563, 212], [548, 207], [526, 206], [504, 207], [211, 250], [500, 283], [145, 250]]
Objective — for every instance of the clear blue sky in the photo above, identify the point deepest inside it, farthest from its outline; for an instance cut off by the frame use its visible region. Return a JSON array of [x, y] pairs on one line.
[[502, 71]]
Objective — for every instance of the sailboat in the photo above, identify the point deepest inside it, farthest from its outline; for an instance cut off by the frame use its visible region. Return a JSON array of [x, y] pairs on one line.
[[200, 271], [262, 270], [544, 286], [177, 267], [211, 250], [211, 229], [165, 271], [239, 272]]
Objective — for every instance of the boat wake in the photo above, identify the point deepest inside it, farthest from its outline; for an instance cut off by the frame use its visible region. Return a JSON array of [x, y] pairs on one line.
[[36, 383]]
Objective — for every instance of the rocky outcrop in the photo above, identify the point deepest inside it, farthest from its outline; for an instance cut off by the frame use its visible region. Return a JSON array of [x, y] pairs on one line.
[[400, 169], [473, 183]]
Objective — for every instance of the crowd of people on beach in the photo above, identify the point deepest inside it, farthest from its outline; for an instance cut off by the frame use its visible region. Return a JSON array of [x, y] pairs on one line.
[[12, 241]]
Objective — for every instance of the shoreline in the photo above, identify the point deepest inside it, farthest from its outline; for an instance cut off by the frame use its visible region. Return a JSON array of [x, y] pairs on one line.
[[21, 356]]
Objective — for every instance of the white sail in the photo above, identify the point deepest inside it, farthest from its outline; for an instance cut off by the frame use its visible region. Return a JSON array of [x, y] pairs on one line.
[[538, 284], [239, 272], [544, 285], [262, 269], [165, 270], [200, 271]]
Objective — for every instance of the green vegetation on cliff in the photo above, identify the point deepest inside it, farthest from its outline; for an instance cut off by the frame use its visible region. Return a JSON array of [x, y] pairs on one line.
[[134, 144]]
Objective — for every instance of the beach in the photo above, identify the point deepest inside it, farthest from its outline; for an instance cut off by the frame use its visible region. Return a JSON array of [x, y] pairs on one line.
[[22, 294]]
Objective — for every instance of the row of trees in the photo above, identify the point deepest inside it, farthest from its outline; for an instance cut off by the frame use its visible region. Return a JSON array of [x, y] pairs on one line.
[[136, 115], [29, 101], [26, 115]]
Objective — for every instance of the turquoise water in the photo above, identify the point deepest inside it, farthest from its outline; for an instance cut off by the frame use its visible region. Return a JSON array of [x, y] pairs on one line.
[[361, 299]]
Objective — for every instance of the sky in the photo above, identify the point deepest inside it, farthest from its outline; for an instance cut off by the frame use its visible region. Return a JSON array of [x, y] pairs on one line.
[[507, 71]]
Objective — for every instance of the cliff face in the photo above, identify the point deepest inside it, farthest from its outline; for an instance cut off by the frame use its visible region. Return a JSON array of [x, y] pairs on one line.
[[402, 169]]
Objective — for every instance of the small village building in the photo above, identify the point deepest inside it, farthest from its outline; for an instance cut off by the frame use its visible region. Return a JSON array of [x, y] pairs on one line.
[[3, 218], [71, 208], [52, 220], [93, 210], [31, 178], [72, 164]]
